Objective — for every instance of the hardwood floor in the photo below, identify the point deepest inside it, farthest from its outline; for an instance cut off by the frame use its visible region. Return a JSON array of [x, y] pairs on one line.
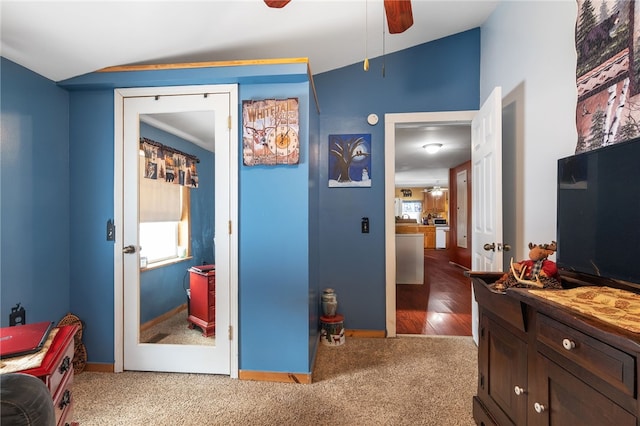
[[441, 306]]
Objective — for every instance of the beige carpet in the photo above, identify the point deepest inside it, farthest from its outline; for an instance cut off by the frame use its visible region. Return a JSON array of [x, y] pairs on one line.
[[399, 381], [175, 331]]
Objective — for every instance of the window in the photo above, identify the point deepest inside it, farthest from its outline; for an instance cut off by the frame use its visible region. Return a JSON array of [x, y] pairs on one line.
[[164, 233], [413, 209], [158, 241]]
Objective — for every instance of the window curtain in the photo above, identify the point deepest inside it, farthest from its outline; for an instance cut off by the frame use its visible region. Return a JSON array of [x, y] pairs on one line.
[[166, 164], [163, 170]]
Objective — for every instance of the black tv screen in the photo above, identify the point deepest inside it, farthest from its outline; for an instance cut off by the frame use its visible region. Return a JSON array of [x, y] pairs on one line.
[[599, 212]]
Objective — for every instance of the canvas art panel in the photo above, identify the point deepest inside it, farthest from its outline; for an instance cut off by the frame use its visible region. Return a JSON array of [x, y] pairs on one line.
[[607, 77], [350, 160]]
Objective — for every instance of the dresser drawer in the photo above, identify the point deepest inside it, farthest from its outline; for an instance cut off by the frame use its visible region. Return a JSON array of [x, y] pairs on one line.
[[610, 364], [63, 400], [63, 367]]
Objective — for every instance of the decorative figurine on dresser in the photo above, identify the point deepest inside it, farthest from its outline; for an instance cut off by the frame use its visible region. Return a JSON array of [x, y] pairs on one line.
[[45, 352], [202, 305]]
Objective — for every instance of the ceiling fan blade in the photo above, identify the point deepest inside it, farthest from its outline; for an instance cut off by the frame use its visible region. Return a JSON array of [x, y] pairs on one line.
[[277, 3], [399, 15]]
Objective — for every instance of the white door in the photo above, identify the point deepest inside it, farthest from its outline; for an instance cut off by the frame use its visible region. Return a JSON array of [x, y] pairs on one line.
[[192, 358], [486, 160]]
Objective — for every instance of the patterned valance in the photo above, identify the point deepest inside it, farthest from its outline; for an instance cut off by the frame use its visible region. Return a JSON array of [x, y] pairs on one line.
[[167, 164]]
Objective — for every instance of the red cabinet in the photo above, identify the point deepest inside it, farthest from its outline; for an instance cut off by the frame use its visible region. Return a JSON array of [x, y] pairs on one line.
[[202, 308], [56, 371]]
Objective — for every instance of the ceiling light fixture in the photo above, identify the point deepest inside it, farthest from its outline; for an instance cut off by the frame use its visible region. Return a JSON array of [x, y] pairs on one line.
[[432, 148], [436, 191]]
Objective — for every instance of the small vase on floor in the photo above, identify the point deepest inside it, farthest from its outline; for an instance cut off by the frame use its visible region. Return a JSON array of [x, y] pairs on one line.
[[329, 302]]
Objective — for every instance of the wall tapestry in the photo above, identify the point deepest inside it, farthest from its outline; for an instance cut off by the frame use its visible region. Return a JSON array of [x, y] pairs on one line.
[[270, 132], [608, 48], [170, 165], [349, 160]]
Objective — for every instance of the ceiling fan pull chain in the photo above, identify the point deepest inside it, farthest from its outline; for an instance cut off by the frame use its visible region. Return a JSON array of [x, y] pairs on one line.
[[384, 59], [366, 35]]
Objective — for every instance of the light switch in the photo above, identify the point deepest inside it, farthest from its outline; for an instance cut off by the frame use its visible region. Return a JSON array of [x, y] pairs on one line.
[[365, 225]]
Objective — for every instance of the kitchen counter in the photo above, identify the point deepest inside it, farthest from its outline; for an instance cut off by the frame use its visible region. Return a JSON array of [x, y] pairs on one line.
[[428, 231]]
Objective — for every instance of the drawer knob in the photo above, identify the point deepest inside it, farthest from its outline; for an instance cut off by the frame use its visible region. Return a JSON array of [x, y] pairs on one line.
[[568, 344], [64, 366], [66, 399], [518, 390], [538, 407]]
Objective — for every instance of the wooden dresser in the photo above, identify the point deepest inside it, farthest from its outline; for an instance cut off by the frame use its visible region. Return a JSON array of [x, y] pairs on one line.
[[56, 371], [540, 363], [202, 306]]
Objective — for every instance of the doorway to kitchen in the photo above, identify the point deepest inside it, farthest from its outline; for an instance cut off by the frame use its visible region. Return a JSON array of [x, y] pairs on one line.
[[440, 305]]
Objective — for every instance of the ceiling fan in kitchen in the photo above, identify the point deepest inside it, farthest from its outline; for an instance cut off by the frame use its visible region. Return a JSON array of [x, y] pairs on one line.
[[399, 14], [435, 191]]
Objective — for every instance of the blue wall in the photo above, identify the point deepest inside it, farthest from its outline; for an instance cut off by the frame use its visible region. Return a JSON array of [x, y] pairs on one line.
[[296, 235], [34, 196], [164, 288], [274, 297], [443, 75], [274, 261], [314, 227]]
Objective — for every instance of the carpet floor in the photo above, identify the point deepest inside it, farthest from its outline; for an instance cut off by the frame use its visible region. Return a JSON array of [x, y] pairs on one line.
[[396, 381]]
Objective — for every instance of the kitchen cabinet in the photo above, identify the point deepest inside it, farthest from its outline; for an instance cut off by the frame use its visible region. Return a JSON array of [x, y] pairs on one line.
[[434, 204], [429, 237], [541, 363], [428, 231]]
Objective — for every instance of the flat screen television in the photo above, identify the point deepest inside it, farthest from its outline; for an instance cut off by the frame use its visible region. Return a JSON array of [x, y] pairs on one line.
[[598, 228]]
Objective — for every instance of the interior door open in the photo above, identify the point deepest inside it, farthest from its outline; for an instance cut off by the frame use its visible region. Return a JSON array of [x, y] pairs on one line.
[[486, 166]]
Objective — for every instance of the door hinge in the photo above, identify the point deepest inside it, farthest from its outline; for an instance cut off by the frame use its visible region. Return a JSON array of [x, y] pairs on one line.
[[229, 227], [229, 122], [230, 333]]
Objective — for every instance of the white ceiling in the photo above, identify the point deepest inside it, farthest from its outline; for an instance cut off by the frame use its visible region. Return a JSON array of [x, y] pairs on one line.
[[64, 39], [415, 167]]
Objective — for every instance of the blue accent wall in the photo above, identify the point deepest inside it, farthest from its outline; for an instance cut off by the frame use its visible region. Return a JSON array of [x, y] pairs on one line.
[[274, 251], [91, 152], [296, 235], [34, 195], [314, 226], [443, 75], [274, 301], [164, 288]]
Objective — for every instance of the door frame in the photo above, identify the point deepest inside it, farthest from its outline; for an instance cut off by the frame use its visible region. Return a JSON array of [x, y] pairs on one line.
[[118, 267], [390, 121]]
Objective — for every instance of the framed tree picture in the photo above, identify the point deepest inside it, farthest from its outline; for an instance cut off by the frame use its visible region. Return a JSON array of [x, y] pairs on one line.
[[350, 160], [270, 132]]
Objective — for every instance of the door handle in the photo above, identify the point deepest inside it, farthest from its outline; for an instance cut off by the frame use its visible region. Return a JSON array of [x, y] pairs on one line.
[[506, 247], [490, 247], [129, 249]]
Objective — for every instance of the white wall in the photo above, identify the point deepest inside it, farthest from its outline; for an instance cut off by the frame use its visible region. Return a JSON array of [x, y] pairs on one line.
[[532, 43]]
